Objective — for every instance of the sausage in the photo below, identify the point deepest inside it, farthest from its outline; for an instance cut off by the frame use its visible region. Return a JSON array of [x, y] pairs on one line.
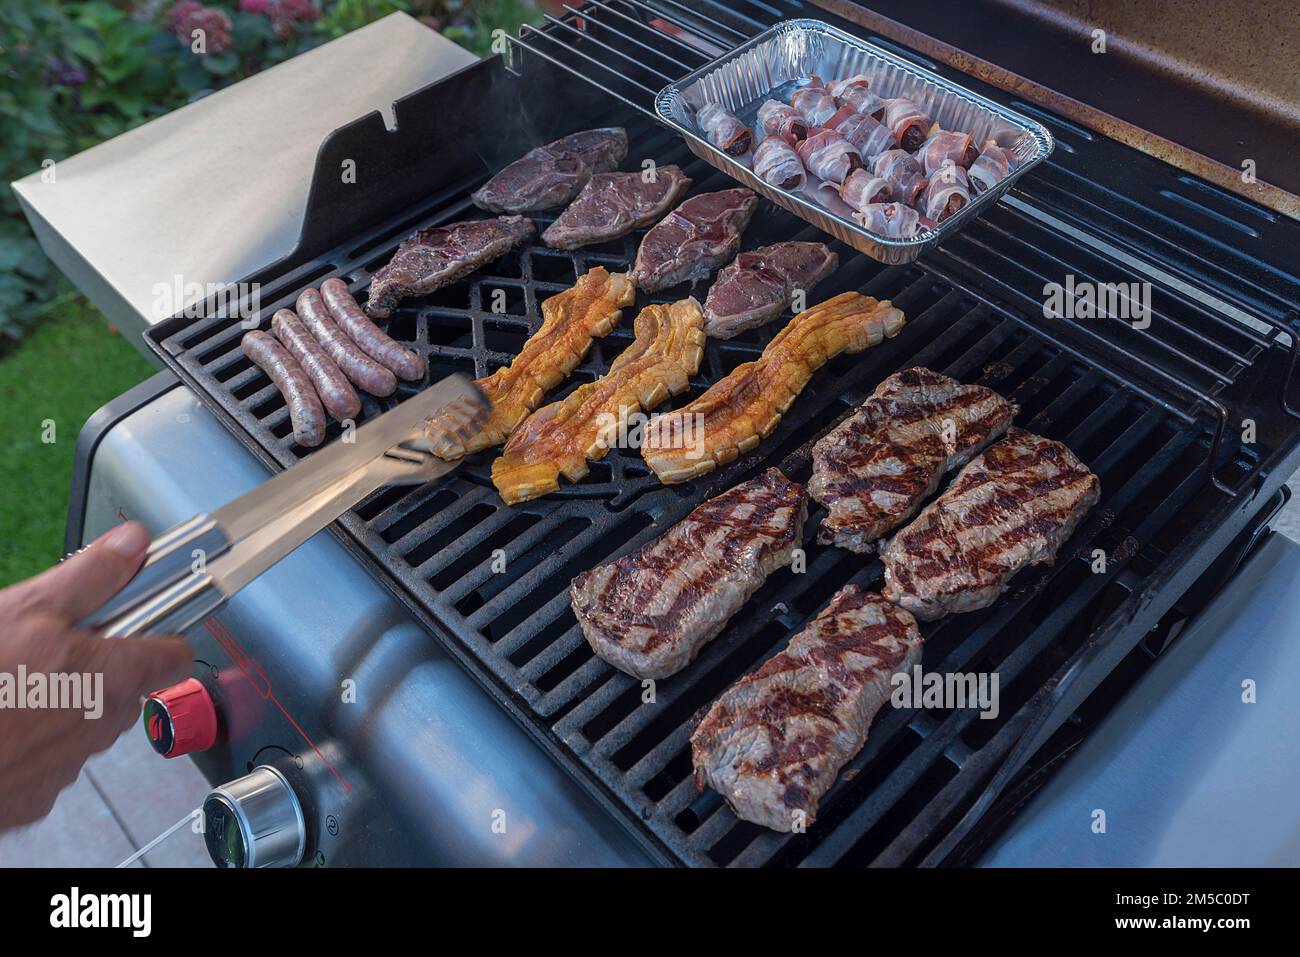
[[373, 341], [305, 411], [335, 391], [363, 371]]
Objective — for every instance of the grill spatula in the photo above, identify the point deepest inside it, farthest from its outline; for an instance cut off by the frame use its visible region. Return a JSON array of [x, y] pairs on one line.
[[193, 568]]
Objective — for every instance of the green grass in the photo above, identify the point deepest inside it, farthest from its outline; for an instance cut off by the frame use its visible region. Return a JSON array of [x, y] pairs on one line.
[[65, 368]]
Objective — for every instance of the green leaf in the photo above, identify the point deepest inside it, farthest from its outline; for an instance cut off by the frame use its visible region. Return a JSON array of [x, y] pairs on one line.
[[221, 64]]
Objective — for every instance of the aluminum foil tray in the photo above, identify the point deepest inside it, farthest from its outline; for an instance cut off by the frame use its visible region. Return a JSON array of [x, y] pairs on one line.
[[771, 66]]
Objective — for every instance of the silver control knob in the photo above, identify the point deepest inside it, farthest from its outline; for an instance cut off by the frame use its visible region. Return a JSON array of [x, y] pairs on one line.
[[255, 821]]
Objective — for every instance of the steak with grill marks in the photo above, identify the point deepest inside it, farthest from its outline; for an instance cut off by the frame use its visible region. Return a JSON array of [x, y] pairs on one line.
[[649, 613], [551, 175], [694, 239], [1011, 507], [775, 741], [874, 469]]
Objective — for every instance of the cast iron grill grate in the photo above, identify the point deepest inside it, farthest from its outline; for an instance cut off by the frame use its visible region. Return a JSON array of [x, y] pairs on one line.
[[1132, 407]]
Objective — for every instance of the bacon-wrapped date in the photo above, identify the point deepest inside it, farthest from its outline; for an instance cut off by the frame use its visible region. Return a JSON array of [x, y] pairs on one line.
[[829, 155], [947, 192], [862, 188], [856, 95], [993, 163], [776, 162], [947, 145], [891, 220], [783, 120], [868, 137], [907, 122], [814, 102], [724, 131], [905, 176]]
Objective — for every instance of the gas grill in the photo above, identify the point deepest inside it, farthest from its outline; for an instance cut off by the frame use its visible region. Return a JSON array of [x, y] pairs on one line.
[[1157, 413]]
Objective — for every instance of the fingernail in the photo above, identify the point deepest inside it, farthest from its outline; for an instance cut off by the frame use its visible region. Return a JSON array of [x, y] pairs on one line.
[[127, 540]]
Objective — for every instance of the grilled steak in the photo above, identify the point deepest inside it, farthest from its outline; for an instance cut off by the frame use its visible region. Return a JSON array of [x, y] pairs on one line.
[[649, 613], [758, 286], [876, 467], [432, 258], [775, 741], [549, 176], [694, 239], [614, 204], [1012, 506]]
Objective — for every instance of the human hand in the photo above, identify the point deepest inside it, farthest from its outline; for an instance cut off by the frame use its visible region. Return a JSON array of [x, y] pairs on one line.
[[43, 746]]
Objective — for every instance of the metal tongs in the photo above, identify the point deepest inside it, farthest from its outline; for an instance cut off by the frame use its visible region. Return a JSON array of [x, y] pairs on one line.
[[193, 568]]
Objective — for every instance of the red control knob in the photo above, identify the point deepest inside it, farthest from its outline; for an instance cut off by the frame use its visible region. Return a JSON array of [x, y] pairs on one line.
[[180, 719]]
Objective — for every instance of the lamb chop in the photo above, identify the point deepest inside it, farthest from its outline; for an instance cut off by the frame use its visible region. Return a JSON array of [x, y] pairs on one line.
[[433, 258], [759, 285], [694, 239], [1011, 507], [549, 176], [615, 204]]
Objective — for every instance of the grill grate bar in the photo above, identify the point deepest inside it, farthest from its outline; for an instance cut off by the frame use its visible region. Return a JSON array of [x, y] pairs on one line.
[[1007, 610], [1032, 646], [948, 799]]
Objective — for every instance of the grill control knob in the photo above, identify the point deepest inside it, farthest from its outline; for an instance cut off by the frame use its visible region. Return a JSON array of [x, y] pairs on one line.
[[181, 719], [255, 821]]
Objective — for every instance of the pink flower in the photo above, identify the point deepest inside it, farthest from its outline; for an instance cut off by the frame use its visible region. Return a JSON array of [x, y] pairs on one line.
[[285, 15], [188, 16], [180, 14]]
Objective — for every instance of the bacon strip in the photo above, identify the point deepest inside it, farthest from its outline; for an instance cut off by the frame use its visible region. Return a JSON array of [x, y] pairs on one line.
[[776, 162], [867, 136], [814, 102], [947, 192], [560, 438], [905, 175], [742, 409], [854, 94], [993, 163], [863, 188], [829, 155], [724, 131], [891, 220], [946, 145], [570, 320], [907, 122], [783, 120]]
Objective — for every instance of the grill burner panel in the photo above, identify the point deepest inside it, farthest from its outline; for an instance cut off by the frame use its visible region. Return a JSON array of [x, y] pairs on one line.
[[1125, 404]]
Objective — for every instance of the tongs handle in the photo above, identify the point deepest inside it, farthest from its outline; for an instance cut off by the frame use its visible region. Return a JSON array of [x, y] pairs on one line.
[[172, 591]]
